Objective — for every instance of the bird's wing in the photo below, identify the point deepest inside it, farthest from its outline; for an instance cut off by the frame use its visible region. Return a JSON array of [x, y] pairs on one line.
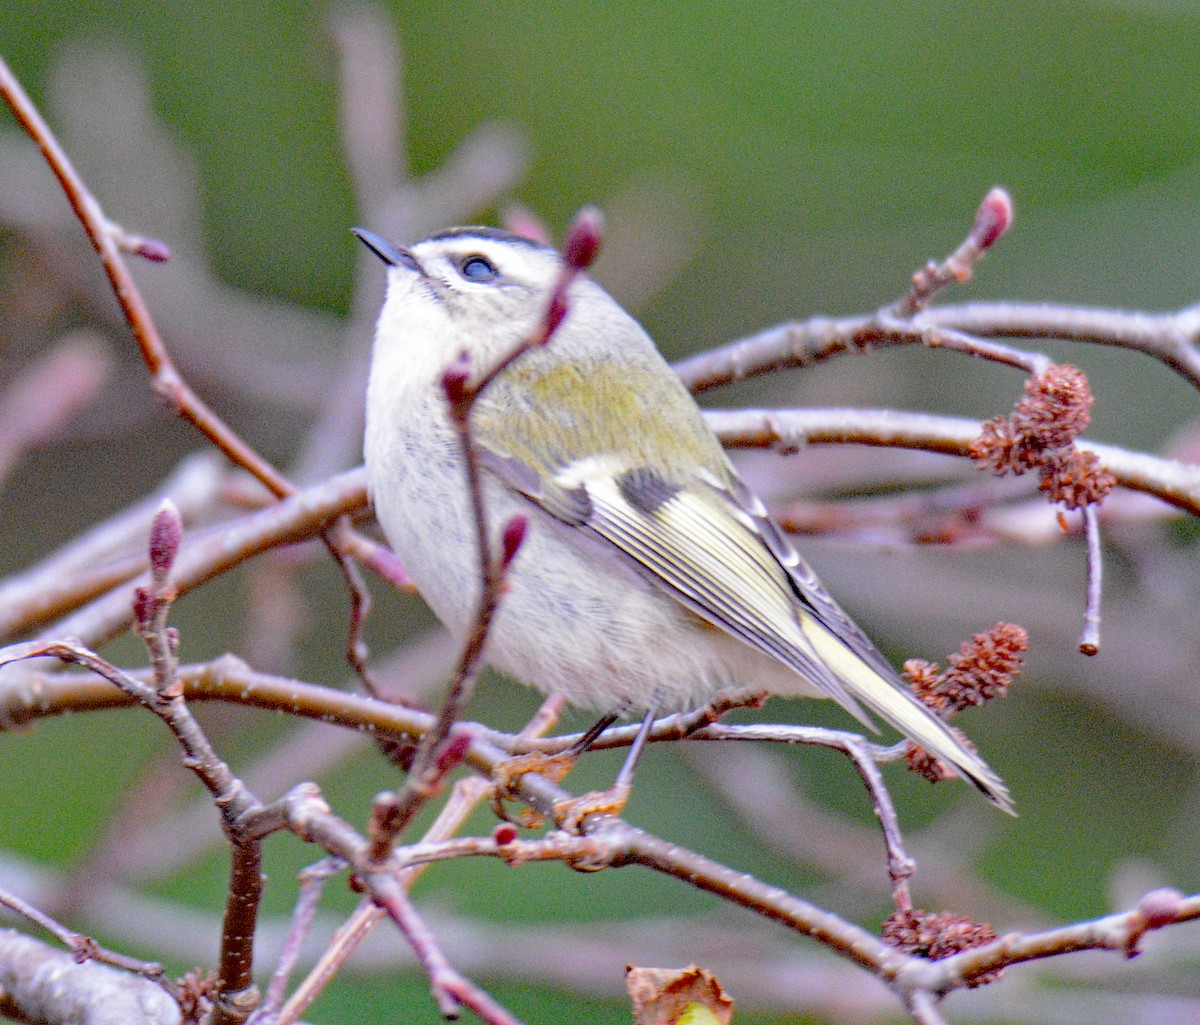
[[804, 580], [710, 553]]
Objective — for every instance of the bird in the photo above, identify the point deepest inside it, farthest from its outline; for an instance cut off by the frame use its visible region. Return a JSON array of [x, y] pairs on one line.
[[650, 575]]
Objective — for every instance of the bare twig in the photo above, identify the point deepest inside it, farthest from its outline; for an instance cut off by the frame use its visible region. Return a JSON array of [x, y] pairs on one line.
[[1089, 641], [1120, 932], [900, 865], [166, 381], [465, 797], [992, 220], [451, 990], [308, 815], [462, 390], [84, 948], [1169, 338], [923, 1009], [312, 882], [1176, 483]]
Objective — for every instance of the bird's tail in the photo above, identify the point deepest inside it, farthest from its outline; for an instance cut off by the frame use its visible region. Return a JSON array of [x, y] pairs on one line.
[[896, 704]]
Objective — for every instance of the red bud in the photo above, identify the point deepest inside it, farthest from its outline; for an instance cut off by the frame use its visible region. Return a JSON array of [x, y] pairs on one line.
[[993, 218], [143, 605], [452, 751], [166, 531], [584, 238], [456, 378], [504, 834], [514, 534]]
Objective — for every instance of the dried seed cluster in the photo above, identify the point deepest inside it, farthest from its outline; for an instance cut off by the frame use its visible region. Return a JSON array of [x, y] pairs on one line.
[[939, 935], [982, 669], [1040, 435]]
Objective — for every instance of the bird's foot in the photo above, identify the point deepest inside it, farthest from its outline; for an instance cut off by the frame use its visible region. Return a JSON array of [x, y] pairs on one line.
[[569, 815], [507, 773]]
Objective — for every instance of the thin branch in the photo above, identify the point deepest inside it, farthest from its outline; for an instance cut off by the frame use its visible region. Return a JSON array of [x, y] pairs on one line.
[[312, 882], [356, 652], [1175, 483], [900, 866], [1089, 641], [462, 391], [923, 1009], [1169, 338], [307, 814], [451, 990], [84, 948], [1120, 932], [464, 799], [892, 330], [992, 220], [166, 381]]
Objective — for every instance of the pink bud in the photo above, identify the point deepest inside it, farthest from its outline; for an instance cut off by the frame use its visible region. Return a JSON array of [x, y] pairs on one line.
[[152, 249], [1160, 907], [166, 531], [584, 238], [521, 221], [456, 378], [993, 218], [514, 534]]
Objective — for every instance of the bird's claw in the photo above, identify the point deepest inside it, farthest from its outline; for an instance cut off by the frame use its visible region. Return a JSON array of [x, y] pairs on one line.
[[569, 815]]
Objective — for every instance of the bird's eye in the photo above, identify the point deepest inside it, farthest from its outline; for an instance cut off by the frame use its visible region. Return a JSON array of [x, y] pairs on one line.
[[478, 269]]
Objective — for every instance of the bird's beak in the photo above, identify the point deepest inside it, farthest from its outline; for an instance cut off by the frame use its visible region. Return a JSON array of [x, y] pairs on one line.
[[392, 255]]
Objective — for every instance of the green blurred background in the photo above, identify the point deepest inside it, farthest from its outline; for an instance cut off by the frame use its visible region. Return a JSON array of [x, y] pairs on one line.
[[784, 160]]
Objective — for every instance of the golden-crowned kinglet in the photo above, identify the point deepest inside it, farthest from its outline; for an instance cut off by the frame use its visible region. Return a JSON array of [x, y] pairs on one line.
[[649, 575]]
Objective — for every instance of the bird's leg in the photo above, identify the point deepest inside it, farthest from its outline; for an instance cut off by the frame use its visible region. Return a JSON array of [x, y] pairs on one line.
[[592, 735], [570, 814], [625, 776], [553, 767]]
